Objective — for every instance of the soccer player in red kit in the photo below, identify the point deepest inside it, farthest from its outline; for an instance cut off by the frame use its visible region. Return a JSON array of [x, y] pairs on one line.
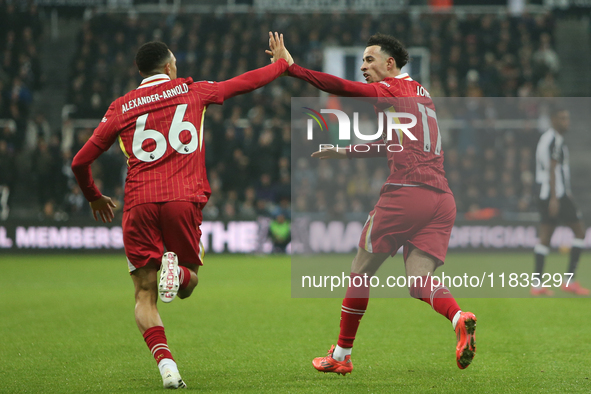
[[160, 129], [416, 208]]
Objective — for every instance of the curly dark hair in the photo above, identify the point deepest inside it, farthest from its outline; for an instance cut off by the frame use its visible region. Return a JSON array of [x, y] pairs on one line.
[[391, 46], [151, 56]]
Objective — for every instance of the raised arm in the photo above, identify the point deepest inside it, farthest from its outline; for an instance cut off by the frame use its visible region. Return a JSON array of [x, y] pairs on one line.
[[326, 82], [333, 85], [249, 81], [252, 80]]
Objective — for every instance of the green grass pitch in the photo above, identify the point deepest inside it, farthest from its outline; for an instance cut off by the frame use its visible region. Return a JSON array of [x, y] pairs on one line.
[[66, 325]]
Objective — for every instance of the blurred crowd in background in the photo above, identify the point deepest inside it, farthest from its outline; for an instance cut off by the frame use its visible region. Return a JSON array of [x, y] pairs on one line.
[[489, 165], [20, 78], [20, 69], [248, 139]]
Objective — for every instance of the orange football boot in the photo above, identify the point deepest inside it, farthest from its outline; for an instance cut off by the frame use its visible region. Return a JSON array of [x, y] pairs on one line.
[[329, 364], [576, 288], [538, 291], [466, 334]]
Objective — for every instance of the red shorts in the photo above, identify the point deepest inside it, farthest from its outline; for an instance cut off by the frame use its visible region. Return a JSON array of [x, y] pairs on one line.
[[404, 215], [148, 228]]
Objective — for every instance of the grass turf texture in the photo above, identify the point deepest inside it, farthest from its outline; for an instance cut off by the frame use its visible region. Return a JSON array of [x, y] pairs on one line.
[[67, 325]]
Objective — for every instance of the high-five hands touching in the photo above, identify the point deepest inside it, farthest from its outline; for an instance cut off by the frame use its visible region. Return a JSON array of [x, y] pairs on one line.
[[277, 49]]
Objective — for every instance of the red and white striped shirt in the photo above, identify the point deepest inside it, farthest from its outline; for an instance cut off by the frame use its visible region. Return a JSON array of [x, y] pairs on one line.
[[421, 161], [160, 129]]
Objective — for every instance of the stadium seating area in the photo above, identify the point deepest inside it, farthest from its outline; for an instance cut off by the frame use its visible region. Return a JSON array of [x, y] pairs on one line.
[[248, 139], [20, 70], [20, 77]]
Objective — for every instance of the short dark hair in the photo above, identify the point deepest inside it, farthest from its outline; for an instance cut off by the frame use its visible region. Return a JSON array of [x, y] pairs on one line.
[[151, 56], [391, 46]]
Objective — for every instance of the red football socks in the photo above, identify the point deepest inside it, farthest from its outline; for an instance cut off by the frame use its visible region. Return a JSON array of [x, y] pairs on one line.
[[354, 306], [439, 298], [184, 277], [156, 341]]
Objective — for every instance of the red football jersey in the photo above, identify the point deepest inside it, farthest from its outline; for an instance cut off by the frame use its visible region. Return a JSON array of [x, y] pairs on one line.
[[160, 130], [420, 161]]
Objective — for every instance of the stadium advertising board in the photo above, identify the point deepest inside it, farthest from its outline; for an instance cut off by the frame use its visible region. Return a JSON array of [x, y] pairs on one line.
[[218, 237], [251, 237]]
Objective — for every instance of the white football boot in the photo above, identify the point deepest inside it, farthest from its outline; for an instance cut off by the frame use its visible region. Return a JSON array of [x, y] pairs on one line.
[[171, 378], [169, 277]]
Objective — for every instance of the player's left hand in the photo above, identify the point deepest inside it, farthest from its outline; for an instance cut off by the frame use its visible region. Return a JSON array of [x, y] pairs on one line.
[[104, 206], [330, 153]]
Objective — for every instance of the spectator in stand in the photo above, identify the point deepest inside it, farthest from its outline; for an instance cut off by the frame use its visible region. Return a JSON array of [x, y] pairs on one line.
[[280, 233], [475, 55]]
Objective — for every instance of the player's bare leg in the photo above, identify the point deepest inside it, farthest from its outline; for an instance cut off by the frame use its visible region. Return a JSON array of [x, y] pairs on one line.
[[145, 281], [419, 263], [421, 266], [578, 228], [541, 250], [364, 266], [575, 254], [546, 231], [150, 325], [368, 263]]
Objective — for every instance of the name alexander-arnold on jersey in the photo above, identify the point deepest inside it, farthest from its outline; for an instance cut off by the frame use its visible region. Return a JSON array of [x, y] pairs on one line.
[[136, 102]]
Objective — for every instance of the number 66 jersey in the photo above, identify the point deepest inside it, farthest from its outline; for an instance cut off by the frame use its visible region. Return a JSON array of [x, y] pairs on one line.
[[160, 130]]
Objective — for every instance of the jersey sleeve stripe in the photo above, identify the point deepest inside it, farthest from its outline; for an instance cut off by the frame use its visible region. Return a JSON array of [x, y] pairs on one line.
[[201, 129], [368, 245], [123, 147]]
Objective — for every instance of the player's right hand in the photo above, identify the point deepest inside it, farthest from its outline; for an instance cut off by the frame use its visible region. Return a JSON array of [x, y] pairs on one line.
[[277, 49], [104, 206], [330, 153]]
